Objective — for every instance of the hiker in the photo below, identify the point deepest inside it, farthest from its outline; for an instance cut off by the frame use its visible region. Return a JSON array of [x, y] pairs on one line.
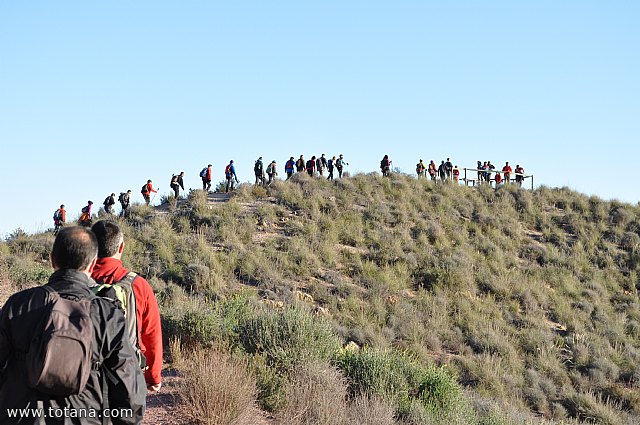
[[124, 199], [230, 175], [433, 171], [176, 183], [311, 166], [147, 326], [321, 164], [340, 163], [330, 166], [82, 360], [258, 169], [205, 175], [519, 175], [146, 191], [442, 171], [290, 167], [506, 170], [498, 180], [480, 169], [272, 171], [300, 164], [59, 219], [109, 202], [448, 167], [385, 166], [490, 167], [456, 174], [85, 217], [420, 169]]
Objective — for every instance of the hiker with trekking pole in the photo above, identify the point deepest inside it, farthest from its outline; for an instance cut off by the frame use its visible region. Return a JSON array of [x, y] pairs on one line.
[[146, 192]]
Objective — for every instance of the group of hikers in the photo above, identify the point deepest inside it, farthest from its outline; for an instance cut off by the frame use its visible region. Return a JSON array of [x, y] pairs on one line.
[[314, 166], [87, 346]]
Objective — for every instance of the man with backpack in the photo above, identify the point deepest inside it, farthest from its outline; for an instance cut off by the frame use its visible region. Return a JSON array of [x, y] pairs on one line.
[[109, 202], [146, 191], [300, 164], [519, 175], [59, 219], [272, 171], [177, 183], [330, 165], [289, 168], [448, 168], [420, 169], [385, 166], [144, 327], [84, 363], [311, 166], [230, 175], [124, 199], [258, 170], [340, 163], [85, 217], [205, 175], [442, 171], [321, 164]]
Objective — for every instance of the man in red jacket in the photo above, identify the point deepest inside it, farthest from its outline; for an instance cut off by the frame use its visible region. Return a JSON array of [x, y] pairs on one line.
[[109, 270]]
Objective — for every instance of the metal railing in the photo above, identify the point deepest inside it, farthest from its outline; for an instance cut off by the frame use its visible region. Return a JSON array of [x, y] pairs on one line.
[[473, 181]]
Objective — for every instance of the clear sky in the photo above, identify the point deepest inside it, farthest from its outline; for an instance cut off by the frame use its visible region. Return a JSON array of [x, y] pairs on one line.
[[97, 97]]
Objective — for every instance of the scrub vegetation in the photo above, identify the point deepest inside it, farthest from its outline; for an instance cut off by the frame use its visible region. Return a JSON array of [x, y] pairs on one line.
[[377, 300]]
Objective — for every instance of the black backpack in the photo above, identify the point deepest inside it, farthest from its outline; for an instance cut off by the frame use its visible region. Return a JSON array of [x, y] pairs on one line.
[[145, 189], [59, 359]]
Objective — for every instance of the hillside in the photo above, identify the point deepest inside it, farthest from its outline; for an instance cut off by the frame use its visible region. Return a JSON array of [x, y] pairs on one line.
[[388, 300]]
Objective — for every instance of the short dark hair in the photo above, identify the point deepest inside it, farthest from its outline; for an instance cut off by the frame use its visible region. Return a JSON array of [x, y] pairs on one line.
[[74, 248], [109, 236]]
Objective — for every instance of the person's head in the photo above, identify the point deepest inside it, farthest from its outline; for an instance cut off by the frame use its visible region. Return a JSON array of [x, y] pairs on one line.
[[313, 158], [109, 237], [62, 206], [507, 163], [291, 159], [75, 248], [231, 162], [517, 165], [301, 156], [113, 194], [341, 156], [90, 202], [209, 166], [273, 162], [448, 159], [260, 159], [149, 181], [479, 162], [129, 191], [323, 155], [181, 173], [334, 157]]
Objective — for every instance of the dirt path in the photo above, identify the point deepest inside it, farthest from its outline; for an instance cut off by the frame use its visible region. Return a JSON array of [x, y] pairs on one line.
[[162, 407]]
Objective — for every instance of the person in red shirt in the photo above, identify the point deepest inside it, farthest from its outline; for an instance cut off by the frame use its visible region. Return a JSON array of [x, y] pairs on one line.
[[146, 192], [519, 175], [498, 180], [109, 270], [507, 172], [456, 174]]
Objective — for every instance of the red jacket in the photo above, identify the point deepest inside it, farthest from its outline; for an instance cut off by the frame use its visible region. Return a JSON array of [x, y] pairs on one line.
[[208, 174], [110, 270], [150, 188]]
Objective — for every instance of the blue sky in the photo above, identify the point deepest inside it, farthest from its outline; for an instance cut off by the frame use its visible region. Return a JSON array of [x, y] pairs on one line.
[[97, 97]]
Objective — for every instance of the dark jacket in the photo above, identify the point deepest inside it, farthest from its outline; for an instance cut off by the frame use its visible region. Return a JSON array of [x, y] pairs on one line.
[[19, 319]]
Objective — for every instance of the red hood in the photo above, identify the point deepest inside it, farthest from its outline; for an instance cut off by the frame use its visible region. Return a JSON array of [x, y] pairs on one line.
[[108, 270]]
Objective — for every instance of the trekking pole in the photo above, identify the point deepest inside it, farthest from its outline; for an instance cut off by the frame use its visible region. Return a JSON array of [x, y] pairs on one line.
[[154, 196]]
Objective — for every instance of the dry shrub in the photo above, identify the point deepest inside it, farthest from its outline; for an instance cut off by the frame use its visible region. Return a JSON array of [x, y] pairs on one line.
[[316, 396], [370, 411], [218, 389]]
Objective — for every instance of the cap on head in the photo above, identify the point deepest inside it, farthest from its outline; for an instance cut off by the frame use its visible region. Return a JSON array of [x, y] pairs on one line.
[[148, 181], [90, 202], [129, 191], [209, 165], [113, 194], [231, 162], [62, 206]]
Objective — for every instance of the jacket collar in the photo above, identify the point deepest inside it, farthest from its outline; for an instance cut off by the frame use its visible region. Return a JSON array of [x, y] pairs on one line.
[[71, 282]]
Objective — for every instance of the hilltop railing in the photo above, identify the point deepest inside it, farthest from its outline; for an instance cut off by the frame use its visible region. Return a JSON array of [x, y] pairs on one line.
[[467, 180]]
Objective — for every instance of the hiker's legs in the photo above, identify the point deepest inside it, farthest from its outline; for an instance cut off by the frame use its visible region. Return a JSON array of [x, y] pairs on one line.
[[289, 175], [176, 191]]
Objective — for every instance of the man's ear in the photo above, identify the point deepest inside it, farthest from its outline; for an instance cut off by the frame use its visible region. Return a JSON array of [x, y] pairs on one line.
[[121, 247], [92, 265], [53, 262]]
